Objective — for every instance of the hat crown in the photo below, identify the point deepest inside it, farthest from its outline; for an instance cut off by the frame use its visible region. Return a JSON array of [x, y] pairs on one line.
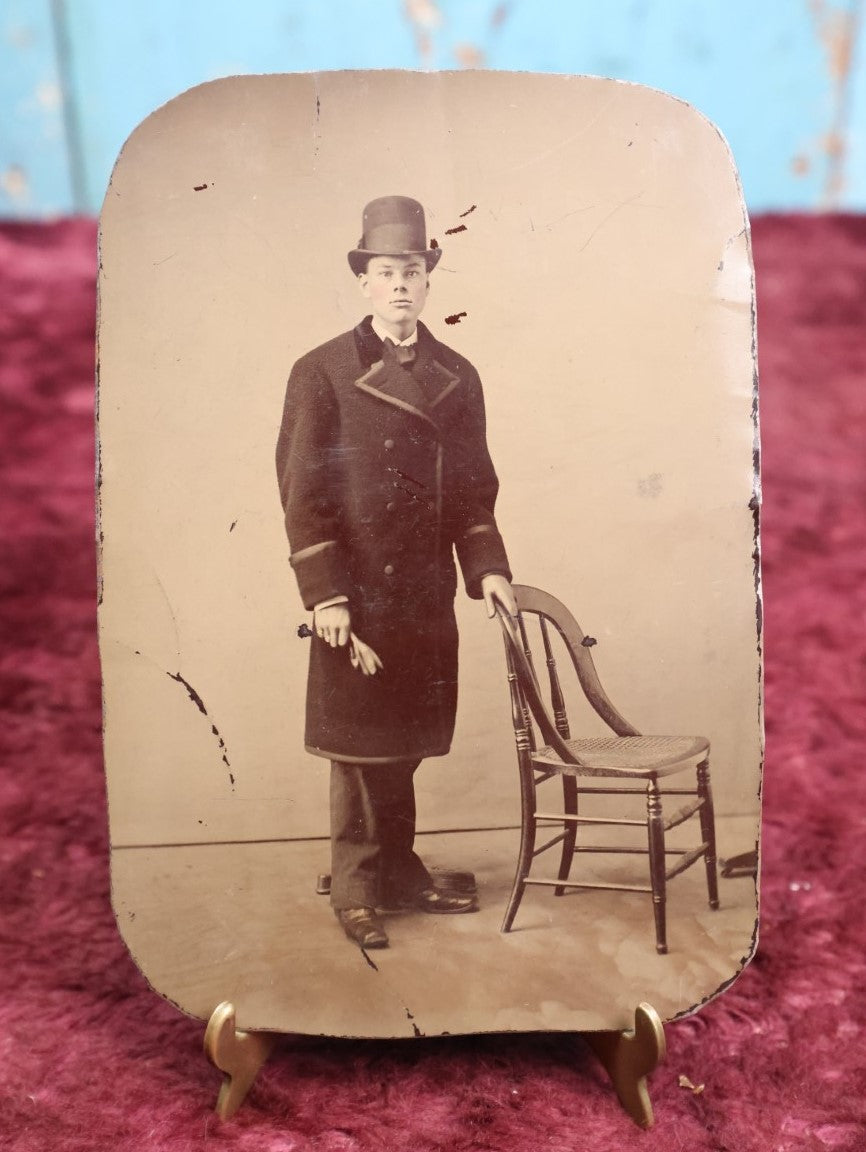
[[393, 226]]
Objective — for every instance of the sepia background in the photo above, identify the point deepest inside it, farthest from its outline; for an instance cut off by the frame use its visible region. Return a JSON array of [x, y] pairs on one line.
[[597, 251]]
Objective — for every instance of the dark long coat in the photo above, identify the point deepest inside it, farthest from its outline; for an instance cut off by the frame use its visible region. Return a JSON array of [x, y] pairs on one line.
[[383, 472]]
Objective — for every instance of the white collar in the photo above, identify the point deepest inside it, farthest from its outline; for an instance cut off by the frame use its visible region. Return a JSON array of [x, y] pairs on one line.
[[384, 334]]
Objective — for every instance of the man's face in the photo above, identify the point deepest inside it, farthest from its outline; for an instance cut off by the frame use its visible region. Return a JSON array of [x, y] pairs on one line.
[[396, 287]]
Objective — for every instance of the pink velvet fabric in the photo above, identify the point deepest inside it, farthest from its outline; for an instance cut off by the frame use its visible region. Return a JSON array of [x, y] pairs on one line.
[[91, 1059]]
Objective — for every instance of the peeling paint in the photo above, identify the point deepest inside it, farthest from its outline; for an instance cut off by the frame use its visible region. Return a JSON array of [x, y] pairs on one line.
[[837, 28], [469, 56], [499, 15], [14, 182], [425, 17], [49, 96], [425, 13]]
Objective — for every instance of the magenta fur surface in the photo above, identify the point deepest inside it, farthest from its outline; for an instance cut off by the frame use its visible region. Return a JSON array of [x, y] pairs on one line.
[[91, 1058]]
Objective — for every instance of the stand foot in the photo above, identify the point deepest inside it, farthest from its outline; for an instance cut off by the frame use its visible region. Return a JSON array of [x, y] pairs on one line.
[[746, 864], [239, 1055], [629, 1057]]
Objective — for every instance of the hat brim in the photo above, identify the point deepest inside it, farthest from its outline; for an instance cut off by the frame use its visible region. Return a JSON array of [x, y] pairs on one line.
[[358, 258]]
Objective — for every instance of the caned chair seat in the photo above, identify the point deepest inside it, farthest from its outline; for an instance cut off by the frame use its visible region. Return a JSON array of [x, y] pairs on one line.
[[632, 763], [630, 756]]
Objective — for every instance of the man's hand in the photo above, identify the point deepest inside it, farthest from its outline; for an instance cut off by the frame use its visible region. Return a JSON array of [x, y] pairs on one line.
[[362, 656], [497, 590], [333, 625]]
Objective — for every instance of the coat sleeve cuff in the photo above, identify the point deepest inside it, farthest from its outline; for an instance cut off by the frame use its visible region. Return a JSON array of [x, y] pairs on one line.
[[480, 551], [320, 573]]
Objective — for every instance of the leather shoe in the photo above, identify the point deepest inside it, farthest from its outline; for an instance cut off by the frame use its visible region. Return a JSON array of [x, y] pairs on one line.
[[363, 927], [442, 901], [454, 880]]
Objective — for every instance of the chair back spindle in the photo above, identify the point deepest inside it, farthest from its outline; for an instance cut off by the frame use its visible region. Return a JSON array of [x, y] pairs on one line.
[[538, 603], [526, 696], [527, 711], [523, 736], [557, 700]]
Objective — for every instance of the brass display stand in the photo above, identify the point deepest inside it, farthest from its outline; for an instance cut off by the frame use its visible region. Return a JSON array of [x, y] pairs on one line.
[[629, 1057], [239, 1055]]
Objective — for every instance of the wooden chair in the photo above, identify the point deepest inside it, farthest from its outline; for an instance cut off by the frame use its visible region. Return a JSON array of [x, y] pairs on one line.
[[546, 751]]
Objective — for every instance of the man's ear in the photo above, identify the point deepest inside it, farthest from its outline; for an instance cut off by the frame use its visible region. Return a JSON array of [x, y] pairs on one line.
[[363, 281]]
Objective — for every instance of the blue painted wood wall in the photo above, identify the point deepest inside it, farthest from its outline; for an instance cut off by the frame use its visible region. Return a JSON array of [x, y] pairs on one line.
[[785, 80]]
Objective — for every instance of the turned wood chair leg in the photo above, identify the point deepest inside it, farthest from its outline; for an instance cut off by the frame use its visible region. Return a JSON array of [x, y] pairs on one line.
[[656, 834], [569, 806], [708, 831], [524, 862], [527, 846]]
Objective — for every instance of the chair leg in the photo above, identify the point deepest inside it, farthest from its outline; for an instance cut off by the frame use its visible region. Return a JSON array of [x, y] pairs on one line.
[[656, 834], [708, 831], [569, 805], [527, 845]]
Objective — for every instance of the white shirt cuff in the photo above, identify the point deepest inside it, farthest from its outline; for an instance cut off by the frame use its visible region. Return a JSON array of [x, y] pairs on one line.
[[330, 603]]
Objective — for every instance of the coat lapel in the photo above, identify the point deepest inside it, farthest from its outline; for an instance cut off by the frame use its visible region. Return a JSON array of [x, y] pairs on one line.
[[435, 380], [391, 383], [420, 391]]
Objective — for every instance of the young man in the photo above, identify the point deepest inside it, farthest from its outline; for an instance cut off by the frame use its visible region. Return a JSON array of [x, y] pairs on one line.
[[384, 470]]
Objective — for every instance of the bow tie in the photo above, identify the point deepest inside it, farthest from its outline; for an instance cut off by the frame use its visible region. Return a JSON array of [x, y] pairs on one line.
[[405, 353]]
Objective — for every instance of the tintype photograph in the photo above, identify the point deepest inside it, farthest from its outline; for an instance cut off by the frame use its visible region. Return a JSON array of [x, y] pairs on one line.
[[430, 607]]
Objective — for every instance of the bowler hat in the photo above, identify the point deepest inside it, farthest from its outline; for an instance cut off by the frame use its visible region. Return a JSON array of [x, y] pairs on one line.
[[393, 226]]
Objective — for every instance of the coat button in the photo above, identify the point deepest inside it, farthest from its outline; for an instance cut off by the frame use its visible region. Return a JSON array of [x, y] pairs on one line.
[[390, 506], [389, 569], [389, 443]]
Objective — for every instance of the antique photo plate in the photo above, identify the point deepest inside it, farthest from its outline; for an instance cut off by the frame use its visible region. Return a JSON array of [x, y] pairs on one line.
[[596, 270]]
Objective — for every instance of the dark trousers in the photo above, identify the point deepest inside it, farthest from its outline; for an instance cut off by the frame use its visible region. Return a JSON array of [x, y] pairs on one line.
[[373, 862]]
